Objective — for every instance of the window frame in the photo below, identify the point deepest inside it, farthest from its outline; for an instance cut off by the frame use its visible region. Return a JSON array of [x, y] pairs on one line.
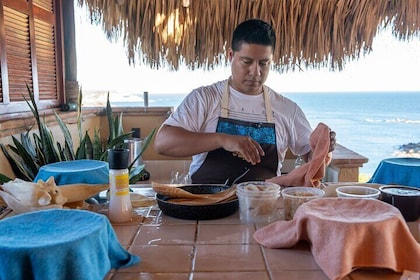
[[47, 14]]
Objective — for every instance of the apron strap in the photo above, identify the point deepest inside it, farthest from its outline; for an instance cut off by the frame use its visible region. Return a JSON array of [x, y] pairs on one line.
[[267, 101], [225, 103]]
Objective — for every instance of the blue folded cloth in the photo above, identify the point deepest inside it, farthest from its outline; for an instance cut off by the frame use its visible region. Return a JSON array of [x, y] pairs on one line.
[[60, 244], [398, 171], [75, 171]]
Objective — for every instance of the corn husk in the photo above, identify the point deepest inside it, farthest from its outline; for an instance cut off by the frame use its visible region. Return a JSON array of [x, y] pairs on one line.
[[22, 196]]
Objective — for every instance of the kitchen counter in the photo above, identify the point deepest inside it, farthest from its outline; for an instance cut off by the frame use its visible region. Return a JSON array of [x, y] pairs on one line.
[[224, 248], [172, 248]]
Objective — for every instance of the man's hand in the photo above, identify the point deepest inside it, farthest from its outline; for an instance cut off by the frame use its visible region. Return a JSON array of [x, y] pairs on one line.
[[243, 146], [332, 141]]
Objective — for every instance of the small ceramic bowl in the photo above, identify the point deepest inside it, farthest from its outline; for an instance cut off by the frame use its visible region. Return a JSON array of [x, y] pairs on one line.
[[357, 192], [406, 199]]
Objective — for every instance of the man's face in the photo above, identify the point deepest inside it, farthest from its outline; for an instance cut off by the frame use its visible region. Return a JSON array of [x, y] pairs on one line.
[[250, 67]]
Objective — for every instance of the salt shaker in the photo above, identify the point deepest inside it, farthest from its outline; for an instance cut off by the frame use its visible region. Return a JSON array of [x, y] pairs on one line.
[[120, 209]]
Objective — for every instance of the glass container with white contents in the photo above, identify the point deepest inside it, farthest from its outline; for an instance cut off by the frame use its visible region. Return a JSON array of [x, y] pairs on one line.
[[258, 201]]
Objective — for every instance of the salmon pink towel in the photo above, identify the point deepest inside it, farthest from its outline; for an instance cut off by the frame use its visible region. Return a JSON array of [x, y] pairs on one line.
[[310, 173], [346, 234]]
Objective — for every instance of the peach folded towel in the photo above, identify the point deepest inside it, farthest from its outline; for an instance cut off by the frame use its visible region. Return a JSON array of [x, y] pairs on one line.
[[310, 173], [346, 234]]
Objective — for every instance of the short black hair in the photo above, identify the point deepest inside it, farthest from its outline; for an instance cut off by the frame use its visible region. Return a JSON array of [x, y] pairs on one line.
[[253, 31]]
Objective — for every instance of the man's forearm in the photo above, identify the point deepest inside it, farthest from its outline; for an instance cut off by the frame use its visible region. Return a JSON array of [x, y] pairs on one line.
[[178, 142]]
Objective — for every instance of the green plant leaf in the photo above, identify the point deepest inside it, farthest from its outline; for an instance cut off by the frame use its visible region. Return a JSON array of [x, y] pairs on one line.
[[38, 150], [15, 162], [32, 105], [118, 141], [89, 147], [81, 151], [118, 125], [146, 143], [110, 120], [26, 158], [136, 173], [97, 145], [47, 146], [61, 152], [68, 153], [11, 161], [28, 144], [67, 138]]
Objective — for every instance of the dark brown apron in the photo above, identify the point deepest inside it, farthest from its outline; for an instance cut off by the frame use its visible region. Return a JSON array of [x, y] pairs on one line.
[[220, 164]]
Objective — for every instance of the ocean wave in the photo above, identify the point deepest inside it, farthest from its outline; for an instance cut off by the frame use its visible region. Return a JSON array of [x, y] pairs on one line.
[[395, 120]]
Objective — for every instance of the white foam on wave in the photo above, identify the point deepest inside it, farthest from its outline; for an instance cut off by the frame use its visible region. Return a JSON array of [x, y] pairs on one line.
[[395, 120]]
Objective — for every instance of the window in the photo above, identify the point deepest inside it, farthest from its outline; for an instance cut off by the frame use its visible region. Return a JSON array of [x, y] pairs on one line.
[[30, 54]]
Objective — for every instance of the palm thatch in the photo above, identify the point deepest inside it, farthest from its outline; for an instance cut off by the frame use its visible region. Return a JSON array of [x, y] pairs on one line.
[[310, 33]]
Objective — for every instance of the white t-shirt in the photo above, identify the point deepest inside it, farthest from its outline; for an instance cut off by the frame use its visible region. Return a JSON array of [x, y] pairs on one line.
[[200, 111]]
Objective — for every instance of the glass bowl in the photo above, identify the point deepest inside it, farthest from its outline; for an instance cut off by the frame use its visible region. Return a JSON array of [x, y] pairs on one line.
[[357, 192]]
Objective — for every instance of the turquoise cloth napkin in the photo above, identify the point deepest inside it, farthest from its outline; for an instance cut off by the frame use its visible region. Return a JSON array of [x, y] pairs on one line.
[[60, 244], [398, 171], [75, 171]]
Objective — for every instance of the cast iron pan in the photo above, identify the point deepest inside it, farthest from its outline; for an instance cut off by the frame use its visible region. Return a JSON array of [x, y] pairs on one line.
[[198, 212]]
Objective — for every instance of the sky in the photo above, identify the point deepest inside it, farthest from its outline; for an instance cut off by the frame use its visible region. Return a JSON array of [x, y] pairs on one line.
[[103, 65]]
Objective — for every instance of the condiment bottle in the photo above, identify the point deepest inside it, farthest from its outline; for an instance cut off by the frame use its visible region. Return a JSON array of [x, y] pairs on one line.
[[120, 209]]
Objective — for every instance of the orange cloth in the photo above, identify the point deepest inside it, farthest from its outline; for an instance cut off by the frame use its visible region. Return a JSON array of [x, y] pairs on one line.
[[310, 174], [347, 234]]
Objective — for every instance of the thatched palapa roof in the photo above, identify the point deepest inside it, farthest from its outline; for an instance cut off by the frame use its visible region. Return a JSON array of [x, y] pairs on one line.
[[310, 33]]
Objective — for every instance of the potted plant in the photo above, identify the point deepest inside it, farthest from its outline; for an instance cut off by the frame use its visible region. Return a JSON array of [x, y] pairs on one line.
[[28, 155]]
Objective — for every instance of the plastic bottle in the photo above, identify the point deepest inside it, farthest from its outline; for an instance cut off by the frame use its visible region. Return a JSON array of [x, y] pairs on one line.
[[299, 161], [120, 209]]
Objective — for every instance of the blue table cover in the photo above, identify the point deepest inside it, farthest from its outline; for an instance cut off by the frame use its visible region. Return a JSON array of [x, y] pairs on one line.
[[75, 171], [60, 244], [398, 171]]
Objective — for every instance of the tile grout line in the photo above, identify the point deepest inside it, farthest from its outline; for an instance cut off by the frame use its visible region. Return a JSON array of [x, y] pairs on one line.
[[194, 251]]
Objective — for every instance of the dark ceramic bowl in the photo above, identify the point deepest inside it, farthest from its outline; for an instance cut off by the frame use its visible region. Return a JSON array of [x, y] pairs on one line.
[[198, 212], [406, 199]]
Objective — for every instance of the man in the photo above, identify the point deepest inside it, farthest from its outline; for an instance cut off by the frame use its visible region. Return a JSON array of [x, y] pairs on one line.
[[239, 123]]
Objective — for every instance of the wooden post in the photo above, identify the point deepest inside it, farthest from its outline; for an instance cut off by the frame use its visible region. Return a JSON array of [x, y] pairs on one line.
[[70, 58]]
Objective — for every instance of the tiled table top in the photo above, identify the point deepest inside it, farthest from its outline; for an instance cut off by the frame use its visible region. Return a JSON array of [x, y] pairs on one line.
[[172, 248]]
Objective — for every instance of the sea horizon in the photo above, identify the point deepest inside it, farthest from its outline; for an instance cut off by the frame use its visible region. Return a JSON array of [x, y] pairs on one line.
[[375, 125]]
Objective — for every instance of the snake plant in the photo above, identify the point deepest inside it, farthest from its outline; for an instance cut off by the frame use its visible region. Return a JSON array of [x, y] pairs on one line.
[[27, 155]]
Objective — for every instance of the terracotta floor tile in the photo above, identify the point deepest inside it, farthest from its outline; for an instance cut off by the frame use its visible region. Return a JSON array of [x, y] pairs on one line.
[[150, 276], [162, 258], [225, 234], [228, 258], [126, 234], [299, 275], [232, 219], [168, 220], [297, 258], [249, 275], [164, 234]]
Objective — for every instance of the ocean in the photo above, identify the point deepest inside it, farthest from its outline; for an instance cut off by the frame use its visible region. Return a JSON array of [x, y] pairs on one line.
[[373, 124]]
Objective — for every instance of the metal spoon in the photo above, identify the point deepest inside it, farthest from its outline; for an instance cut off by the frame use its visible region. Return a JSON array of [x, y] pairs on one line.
[[237, 178]]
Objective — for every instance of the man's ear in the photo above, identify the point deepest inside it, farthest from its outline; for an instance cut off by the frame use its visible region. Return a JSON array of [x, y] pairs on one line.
[[230, 54]]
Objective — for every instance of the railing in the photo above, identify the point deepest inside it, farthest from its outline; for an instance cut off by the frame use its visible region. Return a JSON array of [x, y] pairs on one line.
[[343, 168]]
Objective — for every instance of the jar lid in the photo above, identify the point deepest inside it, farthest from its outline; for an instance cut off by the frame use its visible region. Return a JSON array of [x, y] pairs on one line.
[[118, 158]]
